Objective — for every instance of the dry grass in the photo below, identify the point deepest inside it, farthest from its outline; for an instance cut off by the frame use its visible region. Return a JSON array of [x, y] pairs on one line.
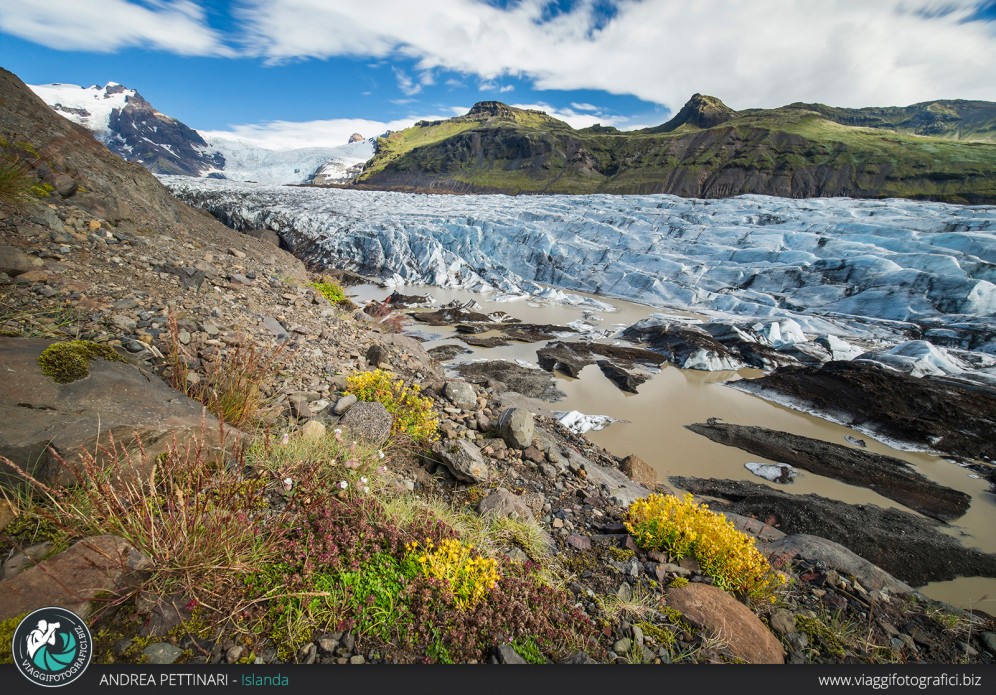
[[202, 521], [231, 387]]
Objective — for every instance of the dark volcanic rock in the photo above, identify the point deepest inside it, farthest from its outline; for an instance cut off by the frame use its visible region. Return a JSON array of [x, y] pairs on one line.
[[889, 477], [571, 358], [444, 353], [529, 382], [905, 545], [931, 412], [626, 381], [447, 316], [484, 342]]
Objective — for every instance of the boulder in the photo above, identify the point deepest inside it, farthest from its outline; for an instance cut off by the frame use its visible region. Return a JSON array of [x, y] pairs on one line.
[[517, 427], [502, 502], [461, 394], [614, 483], [115, 400], [836, 556], [80, 579], [313, 430], [369, 420], [639, 470], [14, 262], [344, 404], [463, 459], [716, 612]]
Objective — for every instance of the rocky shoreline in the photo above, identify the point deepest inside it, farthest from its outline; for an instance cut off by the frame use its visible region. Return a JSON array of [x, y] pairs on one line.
[[117, 262]]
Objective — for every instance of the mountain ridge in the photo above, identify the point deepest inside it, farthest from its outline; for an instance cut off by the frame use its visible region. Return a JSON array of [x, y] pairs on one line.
[[707, 151]]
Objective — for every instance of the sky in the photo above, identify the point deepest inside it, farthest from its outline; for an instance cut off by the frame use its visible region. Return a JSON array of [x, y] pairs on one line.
[[311, 72]]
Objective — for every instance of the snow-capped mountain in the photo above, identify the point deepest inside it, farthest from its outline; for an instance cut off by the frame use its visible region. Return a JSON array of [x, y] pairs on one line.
[[130, 127]]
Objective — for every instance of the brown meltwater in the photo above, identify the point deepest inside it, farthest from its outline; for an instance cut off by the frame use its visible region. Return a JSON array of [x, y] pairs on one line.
[[652, 423]]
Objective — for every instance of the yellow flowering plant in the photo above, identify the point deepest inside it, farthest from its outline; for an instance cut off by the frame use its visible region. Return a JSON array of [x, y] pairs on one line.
[[470, 577], [412, 412], [682, 528]]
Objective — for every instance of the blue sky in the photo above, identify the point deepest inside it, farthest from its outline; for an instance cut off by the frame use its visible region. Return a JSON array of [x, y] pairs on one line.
[[265, 66]]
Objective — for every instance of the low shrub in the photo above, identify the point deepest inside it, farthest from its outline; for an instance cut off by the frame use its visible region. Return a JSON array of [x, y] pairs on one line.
[[682, 528], [330, 289], [412, 413], [16, 182]]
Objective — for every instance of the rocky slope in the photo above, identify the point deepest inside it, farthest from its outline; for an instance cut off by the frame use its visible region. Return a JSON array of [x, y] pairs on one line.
[[707, 151], [109, 255]]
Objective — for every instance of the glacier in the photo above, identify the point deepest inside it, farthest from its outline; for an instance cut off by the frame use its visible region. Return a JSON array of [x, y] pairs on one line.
[[870, 269]]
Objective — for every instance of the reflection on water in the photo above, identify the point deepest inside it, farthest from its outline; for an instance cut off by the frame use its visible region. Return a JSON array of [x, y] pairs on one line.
[[652, 422]]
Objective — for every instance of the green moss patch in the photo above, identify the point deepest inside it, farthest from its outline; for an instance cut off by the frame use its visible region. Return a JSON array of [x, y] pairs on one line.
[[69, 361]]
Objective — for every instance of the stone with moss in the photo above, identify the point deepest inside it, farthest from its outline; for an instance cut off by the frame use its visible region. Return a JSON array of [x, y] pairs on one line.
[[69, 361]]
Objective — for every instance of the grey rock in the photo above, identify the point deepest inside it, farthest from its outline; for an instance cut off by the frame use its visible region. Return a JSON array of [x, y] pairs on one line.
[[22, 560], [344, 404], [616, 484], [989, 639], [234, 654], [504, 503], [87, 572], [578, 541], [463, 459], [275, 327], [507, 655], [836, 556], [637, 634], [370, 421], [622, 646], [313, 430], [625, 592], [579, 659], [517, 427], [357, 660], [13, 261], [162, 653], [299, 406], [461, 394], [116, 399], [782, 621]]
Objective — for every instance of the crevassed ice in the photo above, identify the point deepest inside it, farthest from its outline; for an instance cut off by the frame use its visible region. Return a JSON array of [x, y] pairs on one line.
[[829, 264]]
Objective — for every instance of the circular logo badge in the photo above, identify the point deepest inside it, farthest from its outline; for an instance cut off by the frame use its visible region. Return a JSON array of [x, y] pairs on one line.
[[52, 647]]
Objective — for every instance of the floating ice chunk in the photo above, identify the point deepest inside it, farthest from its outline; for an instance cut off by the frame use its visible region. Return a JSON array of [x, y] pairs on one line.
[[775, 472], [580, 423]]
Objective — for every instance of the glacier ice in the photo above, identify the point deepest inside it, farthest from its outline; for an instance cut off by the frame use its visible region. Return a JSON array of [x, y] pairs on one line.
[[851, 268]]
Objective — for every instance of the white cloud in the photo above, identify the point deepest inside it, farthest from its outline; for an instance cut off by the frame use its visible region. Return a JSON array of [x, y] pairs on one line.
[[287, 135], [756, 53], [105, 26], [406, 84], [583, 107], [575, 119]]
